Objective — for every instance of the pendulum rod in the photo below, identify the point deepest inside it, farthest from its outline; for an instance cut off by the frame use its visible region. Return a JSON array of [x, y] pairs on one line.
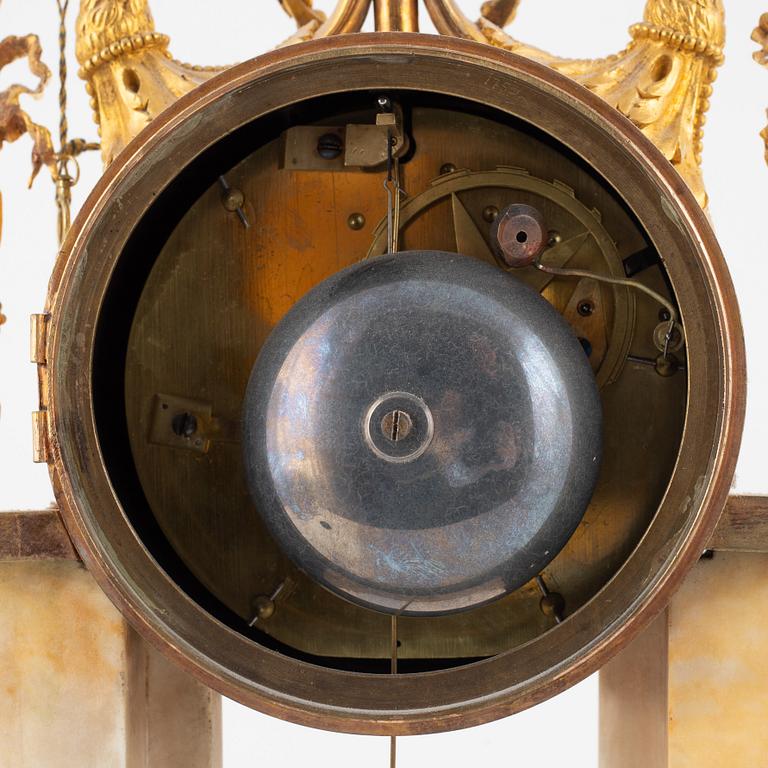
[[394, 196], [396, 15], [393, 670], [396, 211]]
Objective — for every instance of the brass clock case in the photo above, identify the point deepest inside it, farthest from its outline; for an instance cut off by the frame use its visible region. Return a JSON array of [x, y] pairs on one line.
[[90, 474]]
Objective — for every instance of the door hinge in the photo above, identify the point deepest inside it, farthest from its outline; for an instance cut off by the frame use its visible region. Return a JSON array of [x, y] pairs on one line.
[[40, 452], [38, 337], [38, 340]]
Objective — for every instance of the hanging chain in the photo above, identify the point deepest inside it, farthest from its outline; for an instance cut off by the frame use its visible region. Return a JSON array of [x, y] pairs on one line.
[[62, 178], [63, 5], [68, 150]]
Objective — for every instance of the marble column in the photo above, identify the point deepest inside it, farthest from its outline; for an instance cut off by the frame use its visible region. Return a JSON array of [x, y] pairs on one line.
[[80, 689], [692, 690]]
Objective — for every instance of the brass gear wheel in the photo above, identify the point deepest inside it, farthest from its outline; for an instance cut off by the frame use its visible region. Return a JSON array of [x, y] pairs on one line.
[[603, 317]]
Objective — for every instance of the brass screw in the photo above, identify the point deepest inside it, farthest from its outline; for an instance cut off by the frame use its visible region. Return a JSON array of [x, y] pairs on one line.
[[265, 607], [233, 199], [490, 212], [585, 308], [396, 425], [667, 366], [356, 221], [184, 424], [329, 146], [552, 604], [554, 238]]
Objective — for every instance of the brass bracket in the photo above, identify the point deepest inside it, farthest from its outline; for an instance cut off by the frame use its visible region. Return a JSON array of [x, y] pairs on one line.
[[38, 337], [314, 148], [344, 147], [40, 445], [367, 145], [188, 424]]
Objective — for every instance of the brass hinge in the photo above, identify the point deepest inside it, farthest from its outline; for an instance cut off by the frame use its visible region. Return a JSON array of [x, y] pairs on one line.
[[38, 336], [38, 340], [40, 452]]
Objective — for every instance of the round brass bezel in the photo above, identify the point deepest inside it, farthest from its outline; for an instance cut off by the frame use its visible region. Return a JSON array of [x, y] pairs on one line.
[[474, 693]]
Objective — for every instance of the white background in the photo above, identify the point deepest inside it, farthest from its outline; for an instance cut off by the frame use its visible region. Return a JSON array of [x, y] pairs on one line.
[[562, 731]]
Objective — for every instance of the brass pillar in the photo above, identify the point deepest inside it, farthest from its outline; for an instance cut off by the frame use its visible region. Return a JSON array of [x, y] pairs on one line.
[[397, 15]]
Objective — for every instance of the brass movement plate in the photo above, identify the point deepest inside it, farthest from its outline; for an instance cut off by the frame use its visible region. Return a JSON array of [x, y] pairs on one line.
[[217, 289]]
